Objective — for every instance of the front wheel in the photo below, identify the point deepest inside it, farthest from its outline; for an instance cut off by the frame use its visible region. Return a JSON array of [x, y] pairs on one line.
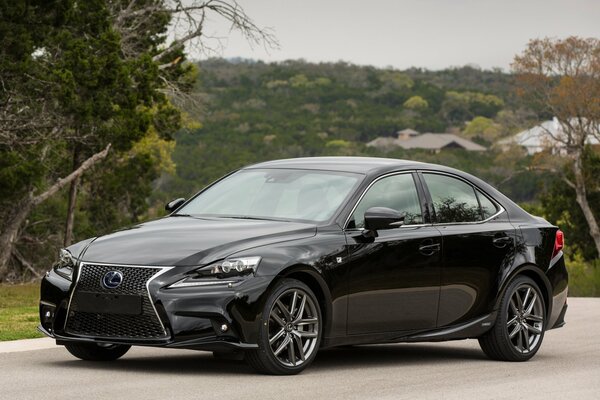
[[290, 330], [519, 329], [97, 351]]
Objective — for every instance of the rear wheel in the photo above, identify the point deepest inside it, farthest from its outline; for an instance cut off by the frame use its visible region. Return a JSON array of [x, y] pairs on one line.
[[97, 351], [290, 330], [519, 329]]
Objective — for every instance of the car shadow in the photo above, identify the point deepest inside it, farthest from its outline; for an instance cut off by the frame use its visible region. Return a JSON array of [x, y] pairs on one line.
[[196, 362], [394, 354], [348, 357]]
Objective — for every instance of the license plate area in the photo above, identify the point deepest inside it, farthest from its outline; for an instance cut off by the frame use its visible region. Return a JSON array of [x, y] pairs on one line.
[[104, 303]]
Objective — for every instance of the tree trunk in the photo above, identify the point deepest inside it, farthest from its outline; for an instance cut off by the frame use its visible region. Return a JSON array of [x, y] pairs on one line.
[[68, 239], [13, 225], [9, 234], [581, 197], [71, 213]]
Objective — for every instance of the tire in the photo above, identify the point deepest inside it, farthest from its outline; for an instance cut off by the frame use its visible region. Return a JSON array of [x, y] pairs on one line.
[[97, 352], [287, 341], [520, 324]]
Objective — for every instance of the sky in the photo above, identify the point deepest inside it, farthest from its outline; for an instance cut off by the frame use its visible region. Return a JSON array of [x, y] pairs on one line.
[[432, 34]]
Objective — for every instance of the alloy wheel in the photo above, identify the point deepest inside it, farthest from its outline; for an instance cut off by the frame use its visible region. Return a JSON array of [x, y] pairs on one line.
[[525, 319], [293, 327]]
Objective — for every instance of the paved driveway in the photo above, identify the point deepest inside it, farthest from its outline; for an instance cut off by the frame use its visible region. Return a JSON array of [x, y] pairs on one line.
[[567, 367]]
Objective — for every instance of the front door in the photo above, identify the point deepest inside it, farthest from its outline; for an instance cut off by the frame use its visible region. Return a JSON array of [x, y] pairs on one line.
[[393, 279]]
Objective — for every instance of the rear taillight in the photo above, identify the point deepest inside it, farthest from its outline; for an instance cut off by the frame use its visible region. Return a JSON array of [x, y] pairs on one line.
[[559, 242]]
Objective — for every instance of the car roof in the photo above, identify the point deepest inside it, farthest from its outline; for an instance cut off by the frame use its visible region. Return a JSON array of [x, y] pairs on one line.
[[375, 166], [363, 165]]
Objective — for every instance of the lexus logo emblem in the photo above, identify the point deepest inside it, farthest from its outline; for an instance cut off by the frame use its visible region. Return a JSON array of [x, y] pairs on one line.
[[112, 279]]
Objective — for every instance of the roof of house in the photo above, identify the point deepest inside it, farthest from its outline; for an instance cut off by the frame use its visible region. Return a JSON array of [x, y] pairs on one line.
[[542, 135], [437, 141], [383, 142], [537, 136], [407, 131]]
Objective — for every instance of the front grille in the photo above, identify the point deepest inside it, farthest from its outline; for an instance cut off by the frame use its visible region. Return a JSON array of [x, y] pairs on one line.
[[118, 326]]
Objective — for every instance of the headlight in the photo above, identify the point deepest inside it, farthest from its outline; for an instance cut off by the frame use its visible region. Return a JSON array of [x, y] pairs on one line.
[[217, 273], [65, 264]]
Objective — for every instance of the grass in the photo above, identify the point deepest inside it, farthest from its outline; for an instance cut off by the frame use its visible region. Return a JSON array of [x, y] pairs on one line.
[[584, 277], [19, 316]]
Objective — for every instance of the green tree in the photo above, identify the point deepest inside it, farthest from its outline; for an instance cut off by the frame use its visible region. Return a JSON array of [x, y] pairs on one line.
[[395, 80], [463, 106], [562, 78], [484, 128], [82, 78], [557, 203], [416, 103]]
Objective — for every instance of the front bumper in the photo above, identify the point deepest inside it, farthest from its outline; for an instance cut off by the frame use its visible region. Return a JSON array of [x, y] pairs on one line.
[[213, 318]]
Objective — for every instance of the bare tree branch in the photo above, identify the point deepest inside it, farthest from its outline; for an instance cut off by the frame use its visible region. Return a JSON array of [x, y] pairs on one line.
[[19, 257], [87, 164]]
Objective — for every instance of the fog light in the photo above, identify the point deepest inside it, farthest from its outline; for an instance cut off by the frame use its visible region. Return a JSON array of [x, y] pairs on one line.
[[224, 328], [47, 312]]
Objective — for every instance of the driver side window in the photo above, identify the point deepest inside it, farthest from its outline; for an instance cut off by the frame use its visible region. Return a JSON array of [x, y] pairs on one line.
[[397, 192]]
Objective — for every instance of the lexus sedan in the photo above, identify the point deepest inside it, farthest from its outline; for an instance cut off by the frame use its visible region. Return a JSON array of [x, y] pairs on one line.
[[280, 259]]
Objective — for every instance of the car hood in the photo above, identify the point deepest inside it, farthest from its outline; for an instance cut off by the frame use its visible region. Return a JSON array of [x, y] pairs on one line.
[[187, 241]]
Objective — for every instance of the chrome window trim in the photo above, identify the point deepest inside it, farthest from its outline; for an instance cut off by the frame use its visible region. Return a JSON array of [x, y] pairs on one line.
[[399, 227], [162, 271], [475, 188], [369, 187]]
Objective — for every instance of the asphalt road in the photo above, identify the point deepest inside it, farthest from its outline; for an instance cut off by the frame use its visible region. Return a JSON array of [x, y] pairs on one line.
[[567, 367]]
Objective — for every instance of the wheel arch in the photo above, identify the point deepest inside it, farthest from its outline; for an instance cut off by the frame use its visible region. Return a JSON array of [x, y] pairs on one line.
[[537, 275], [312, 278]]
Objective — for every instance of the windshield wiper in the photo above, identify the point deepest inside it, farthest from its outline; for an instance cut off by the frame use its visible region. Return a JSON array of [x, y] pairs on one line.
[[181, 215]]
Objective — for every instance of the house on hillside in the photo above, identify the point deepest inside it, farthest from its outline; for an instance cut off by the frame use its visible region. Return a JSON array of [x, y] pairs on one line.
[[440, 141], [546, 135], [406, 134], [435, 142]]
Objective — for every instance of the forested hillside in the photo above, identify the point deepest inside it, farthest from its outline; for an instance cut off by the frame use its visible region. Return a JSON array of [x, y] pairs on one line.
[[106, 114], [240, 112], [252, 111]]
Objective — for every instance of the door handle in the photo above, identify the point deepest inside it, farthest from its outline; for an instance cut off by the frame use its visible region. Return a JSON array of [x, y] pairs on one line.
[[502, 241], [429, 249]]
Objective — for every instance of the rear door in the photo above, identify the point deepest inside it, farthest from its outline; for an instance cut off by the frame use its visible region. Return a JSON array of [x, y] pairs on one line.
[[478, 245], [393, 279]]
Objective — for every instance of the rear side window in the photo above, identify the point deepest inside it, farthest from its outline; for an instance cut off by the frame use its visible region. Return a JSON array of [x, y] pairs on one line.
[[488, 208], [453, 199]]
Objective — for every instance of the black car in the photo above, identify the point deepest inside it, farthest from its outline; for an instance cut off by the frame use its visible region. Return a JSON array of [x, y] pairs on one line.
[[279, 259]]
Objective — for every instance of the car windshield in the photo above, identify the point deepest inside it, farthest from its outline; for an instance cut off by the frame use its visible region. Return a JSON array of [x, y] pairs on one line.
[[279, 194]]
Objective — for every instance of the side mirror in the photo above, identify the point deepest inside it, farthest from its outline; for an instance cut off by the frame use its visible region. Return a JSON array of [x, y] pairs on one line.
[[377, 218], [174, 205]]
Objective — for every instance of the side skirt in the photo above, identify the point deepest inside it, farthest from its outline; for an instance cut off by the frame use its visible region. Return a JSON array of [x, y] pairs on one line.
[[470, 329]]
